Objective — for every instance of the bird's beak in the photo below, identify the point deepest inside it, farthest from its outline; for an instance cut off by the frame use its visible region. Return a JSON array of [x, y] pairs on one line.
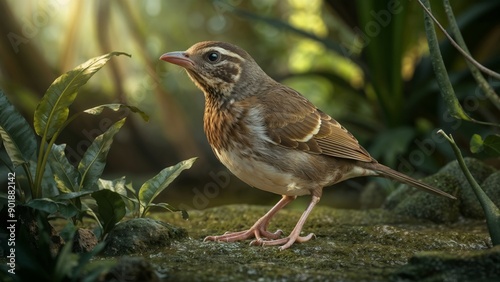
[[178, 58]]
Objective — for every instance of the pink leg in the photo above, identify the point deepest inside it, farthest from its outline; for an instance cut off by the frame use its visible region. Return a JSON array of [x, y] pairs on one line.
[[258, 230], [294, 236]]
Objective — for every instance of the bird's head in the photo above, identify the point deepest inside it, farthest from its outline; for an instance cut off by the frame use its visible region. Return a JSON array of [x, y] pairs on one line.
[[221, 70]]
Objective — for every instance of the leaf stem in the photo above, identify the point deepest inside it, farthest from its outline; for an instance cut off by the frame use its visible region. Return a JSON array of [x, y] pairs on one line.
[[491, 212], [426, 7], [442, 78], [481, 81]]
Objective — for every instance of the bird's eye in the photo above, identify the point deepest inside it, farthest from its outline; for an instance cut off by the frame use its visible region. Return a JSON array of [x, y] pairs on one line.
[[213, 57]]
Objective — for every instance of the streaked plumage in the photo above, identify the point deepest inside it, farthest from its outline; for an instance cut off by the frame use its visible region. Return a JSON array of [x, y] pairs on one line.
[[271, 137]]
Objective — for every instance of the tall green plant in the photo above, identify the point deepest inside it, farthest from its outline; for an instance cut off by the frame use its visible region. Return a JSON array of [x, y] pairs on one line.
[[492, 212], [56, 186]]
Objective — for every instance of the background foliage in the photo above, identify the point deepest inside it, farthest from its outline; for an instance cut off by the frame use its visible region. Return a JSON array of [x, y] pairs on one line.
[[363, 62]]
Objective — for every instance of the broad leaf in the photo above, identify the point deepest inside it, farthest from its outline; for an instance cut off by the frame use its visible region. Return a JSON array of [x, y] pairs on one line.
[[110, 207], [93, 161], [50, 206], [116, 107], [74, 195], [492, 145], [18, 137], [117, 185], [476, 143], [151, 188], [65, 174], [43, 204], [53, 109], [49, 185]]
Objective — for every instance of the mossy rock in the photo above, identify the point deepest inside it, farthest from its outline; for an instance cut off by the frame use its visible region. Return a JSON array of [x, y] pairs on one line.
[[469, 205], [410, 201], [141, 235], [491, 186], [413, 202]]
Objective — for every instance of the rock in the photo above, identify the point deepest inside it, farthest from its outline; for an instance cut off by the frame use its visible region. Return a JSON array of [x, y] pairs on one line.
[[141, 235], [410, 201], [469, 204], [491, 186], [419, 204], [483, 265], [84, 241]]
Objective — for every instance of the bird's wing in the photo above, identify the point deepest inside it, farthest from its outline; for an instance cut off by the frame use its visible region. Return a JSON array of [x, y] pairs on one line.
[[294, 122]]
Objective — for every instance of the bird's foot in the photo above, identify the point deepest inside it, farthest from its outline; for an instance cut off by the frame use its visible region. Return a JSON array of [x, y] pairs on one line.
[[255, 232], [284, 242]]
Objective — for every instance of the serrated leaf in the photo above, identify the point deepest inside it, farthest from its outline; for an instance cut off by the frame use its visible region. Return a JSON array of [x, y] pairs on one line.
[[53, 109], [492, 145], [151, 188], [116, 107], [93, 161], [110, 207], [476, 144], [65, 174], [18, 137]]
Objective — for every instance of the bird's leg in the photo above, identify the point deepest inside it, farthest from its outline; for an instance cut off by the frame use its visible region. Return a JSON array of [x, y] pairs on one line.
[[295, 235], [258, 230]]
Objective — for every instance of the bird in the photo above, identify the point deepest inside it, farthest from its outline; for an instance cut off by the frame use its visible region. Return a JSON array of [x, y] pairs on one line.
[[273, 138]]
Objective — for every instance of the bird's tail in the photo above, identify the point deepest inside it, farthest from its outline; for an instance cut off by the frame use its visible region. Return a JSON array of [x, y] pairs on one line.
[[398, 176]]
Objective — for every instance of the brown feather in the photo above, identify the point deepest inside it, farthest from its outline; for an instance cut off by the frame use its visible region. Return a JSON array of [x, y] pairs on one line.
[[398, 176], [292, 128]]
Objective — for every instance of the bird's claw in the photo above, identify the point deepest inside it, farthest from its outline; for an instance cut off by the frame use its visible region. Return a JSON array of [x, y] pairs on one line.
[[247, 234], [284, 242]]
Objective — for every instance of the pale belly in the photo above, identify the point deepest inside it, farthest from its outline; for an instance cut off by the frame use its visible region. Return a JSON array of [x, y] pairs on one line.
[[264, 176]]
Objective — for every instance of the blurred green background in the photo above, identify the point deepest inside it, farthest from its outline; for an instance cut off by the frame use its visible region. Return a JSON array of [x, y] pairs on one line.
[[363, 62]]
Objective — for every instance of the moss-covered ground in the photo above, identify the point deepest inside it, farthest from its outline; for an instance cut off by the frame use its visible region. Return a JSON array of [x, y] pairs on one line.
[[350, 245]]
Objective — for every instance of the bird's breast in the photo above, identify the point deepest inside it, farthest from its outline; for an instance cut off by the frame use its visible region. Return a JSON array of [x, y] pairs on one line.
[[240, 141]]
